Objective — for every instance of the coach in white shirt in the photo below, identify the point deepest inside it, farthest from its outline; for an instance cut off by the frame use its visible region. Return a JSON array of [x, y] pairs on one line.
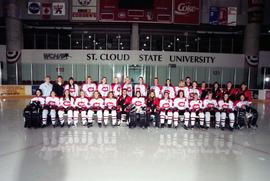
[[46, 87]]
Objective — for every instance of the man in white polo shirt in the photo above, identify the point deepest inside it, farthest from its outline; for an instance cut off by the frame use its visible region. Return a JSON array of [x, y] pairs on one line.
[[46, 87]]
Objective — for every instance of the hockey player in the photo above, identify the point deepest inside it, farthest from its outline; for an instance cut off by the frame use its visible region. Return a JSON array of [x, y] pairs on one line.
[[196, 110], [226, 109], [180, 105], [203, 90], [141, 86], [96, 105], [217, 91], [66, 107], [244, 112], [156, 88], [32, 112], [110, 105], [81, 106], [38, 98], [116, 87], [58, 86], [169, 88], [72, 87], [128, 86], [232, 92], [152, 104], [123, 102], [210, 109], [188, 82], [192, 90], [138, 117], [104, 88], [165, 108], [244, 90], [50, 107], [181, 87], [89, 87]]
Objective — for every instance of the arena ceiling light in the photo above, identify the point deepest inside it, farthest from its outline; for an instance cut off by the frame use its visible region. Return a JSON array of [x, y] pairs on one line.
[[267, 79]]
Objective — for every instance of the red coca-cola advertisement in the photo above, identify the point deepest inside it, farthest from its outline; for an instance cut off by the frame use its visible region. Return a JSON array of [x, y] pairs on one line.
[[187, 11], [159, 11]]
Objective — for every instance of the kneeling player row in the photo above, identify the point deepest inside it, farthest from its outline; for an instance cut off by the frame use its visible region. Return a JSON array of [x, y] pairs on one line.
[[138, 110]]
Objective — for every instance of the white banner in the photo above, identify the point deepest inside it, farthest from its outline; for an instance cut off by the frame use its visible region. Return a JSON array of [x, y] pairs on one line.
[[132, 57], [232, 16], [84, 10]]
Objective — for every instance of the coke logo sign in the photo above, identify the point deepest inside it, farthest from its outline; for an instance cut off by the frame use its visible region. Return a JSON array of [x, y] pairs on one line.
[[185, 8]]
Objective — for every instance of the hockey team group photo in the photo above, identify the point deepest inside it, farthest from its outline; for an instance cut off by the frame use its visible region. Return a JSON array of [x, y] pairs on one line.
[[64, 103]]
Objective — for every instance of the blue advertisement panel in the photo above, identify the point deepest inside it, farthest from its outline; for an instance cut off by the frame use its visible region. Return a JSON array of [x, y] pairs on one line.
[[213, 15]]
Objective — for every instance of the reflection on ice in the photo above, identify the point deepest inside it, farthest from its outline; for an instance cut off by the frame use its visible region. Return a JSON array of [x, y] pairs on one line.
[[123, 143]]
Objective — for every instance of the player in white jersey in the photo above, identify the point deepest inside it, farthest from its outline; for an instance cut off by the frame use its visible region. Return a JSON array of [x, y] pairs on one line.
[[196, 110], [110, 105], [104, 88], [226, 109], [72, 87], [180, 105], [192, 90], [89, 87], [246, 115], [116, 87], [81, 106], [51, 105], [128, 86], [165, 107], [169, 89], [66, 107], [96, 105], [210, 108], [156, 88], [138, 115], [38, 98], [141, 86], [181, 87]]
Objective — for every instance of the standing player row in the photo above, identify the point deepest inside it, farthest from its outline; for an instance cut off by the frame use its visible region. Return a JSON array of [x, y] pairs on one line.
[[189, 88]]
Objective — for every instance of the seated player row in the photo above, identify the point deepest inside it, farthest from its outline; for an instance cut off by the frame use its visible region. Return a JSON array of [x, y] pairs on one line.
[[144, 112], [89, 87]]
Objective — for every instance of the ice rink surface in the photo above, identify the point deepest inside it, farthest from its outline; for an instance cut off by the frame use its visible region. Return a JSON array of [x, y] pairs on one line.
[[106, 154]]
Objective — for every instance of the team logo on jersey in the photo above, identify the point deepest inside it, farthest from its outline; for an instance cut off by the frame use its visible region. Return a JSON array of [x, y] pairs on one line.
[[166, 105], [52, 103], [110, 104], [81, 104], [225, 106], [210, 105], [67, 103], [90, 89], [129, 89], [138, 89], [118, 88], [167, 91], [196, 106], [105, 89], [96, 104], [181, 104], [71, 90], [138, 103]]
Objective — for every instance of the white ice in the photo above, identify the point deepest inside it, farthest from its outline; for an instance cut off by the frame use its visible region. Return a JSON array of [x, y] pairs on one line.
[[106, 154]]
